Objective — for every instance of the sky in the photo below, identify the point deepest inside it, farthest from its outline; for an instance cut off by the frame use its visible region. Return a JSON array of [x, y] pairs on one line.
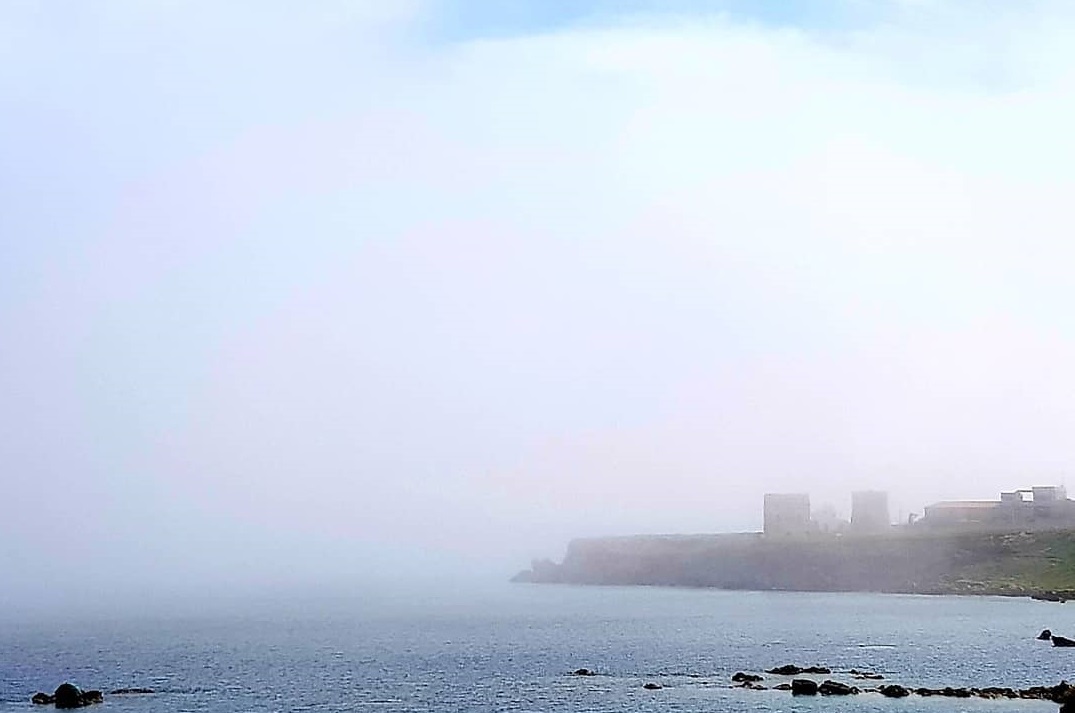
[[311, 295]]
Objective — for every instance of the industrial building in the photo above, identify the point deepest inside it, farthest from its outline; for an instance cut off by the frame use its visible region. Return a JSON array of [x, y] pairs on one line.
[[1042, 507], [869, 512], [1039, 508], [787, 514]]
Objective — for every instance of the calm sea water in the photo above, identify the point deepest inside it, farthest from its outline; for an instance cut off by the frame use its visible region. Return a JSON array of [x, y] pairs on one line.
[[510, 649]]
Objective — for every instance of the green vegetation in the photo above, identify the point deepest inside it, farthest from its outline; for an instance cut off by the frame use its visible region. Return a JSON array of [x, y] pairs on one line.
[[1016, 563]]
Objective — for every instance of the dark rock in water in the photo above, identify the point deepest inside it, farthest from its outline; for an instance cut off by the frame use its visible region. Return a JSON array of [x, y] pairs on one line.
[[1047, 597], [866, 675], [652, 686], [1059, 693], [835, 688], [1062, 692], [584, 672], [42, 699], [803, 687], [1065, 697], [68, 695], [793, 670], [788, 670], [1062, 641], [1045, 635], [130, 691], [740, 677]]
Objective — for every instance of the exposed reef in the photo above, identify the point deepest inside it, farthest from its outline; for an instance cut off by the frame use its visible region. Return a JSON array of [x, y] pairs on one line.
[[1062, 692], [68, 695], [824, 681]]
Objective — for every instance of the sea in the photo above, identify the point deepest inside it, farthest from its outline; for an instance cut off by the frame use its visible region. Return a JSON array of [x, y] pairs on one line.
[[513, 647]]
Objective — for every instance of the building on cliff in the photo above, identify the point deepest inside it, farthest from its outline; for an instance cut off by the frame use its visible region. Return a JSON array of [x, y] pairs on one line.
[[787, 514], [950, 513], [1042, 507], [869, 512], [827, 521]]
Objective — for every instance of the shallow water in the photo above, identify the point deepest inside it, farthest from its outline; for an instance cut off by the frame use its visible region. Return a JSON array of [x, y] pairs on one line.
[[510, 648]]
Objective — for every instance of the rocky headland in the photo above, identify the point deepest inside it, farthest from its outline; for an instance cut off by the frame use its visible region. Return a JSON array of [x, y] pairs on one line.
[[1039, 564]]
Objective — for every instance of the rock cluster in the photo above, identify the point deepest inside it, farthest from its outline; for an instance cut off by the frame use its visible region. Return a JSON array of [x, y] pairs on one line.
[[808, 687], [793, 670], [1059, 693], [1063, 692], [1061, 641], [748, 680], [1048, 596], [835, 688], [740, 677], [68, 695]]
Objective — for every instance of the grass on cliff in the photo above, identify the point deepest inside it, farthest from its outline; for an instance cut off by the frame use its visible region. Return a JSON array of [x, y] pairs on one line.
[[1016, 562]]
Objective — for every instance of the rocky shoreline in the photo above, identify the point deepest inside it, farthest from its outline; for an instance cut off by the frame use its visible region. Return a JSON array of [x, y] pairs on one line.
[[1063, 692], [808, 681]]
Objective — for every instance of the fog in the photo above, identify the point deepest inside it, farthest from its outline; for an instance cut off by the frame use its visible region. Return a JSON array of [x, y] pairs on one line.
[[309, 296]]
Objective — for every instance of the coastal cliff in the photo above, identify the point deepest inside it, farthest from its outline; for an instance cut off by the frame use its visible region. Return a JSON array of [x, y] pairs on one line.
[[1023, 563]]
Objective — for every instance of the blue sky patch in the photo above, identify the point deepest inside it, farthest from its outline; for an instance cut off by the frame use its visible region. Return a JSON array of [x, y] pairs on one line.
[[460, 20]]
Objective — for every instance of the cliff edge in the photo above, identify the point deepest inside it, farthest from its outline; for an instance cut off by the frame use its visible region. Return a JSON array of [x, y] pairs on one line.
[[1015, 564]]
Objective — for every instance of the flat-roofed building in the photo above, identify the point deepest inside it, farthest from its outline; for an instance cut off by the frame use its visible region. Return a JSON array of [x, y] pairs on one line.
[[1046, 495], [1039, 508], [961, 512], [869, 511], [787, 514], [1013, 498], [827, 520]]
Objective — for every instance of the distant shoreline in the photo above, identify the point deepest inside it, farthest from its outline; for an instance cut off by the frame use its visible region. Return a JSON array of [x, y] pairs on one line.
[[1039, 565]]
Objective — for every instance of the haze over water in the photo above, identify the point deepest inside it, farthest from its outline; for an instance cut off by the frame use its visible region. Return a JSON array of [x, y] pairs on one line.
[[313, 298]]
